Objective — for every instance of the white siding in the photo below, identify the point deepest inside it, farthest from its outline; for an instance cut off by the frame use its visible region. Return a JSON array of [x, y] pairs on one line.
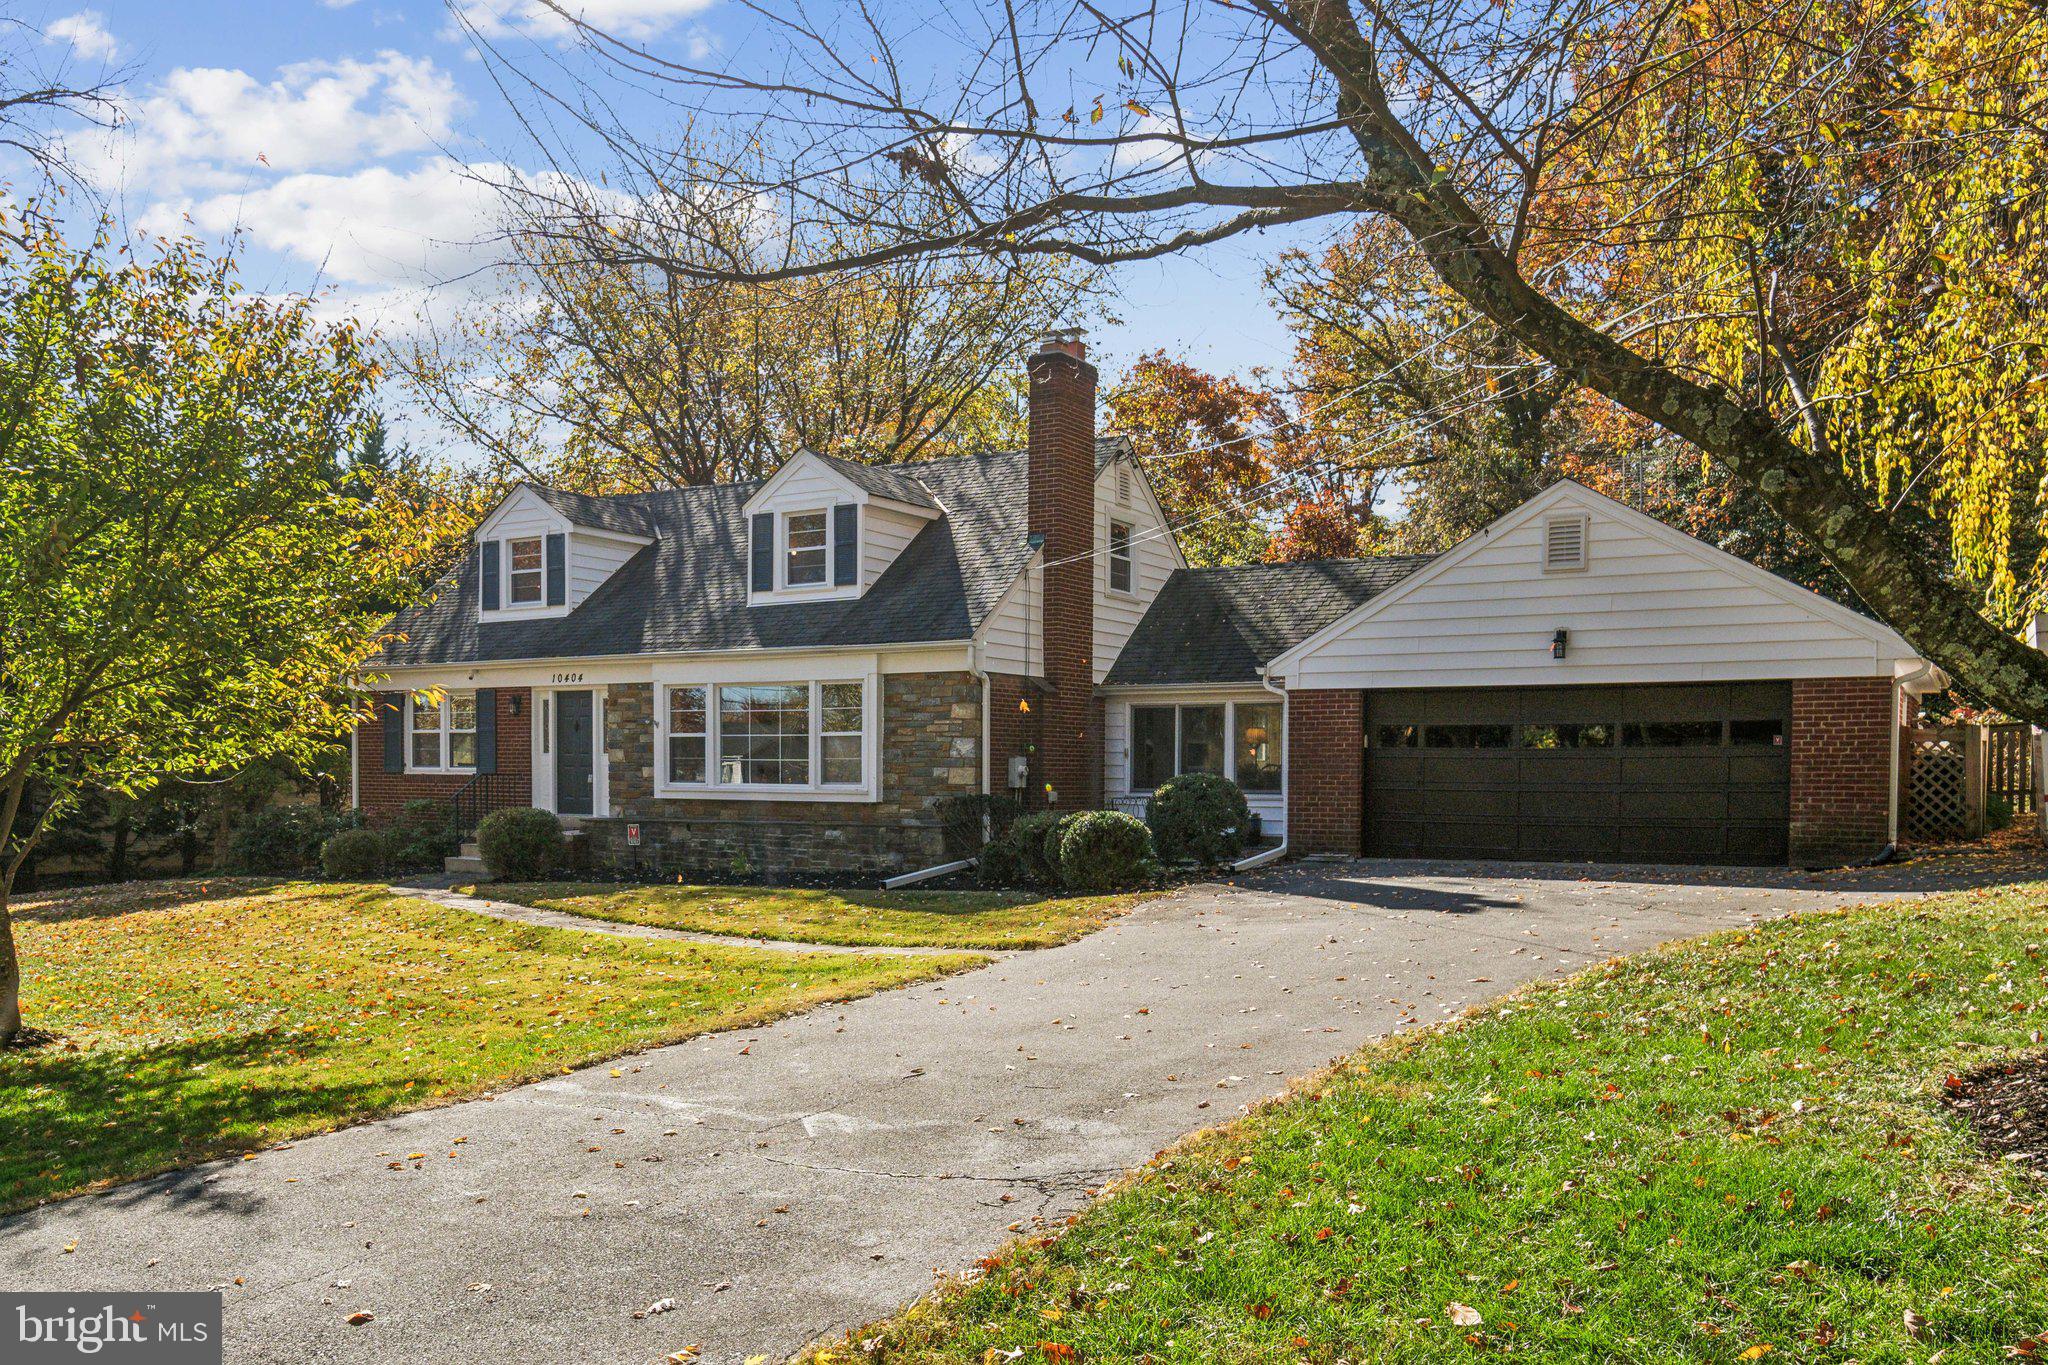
[[1270, 807], [1154, 557], [884, 532], [1646, 608], [1013, 639], [811, 484], [593, 559]]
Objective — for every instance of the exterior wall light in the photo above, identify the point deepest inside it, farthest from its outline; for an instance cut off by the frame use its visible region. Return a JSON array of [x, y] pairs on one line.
[[1558, 642]]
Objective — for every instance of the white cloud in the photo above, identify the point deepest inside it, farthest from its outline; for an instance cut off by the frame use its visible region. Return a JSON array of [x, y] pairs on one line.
[[204, 128], [86, 31], [618, 18], [371, 229]]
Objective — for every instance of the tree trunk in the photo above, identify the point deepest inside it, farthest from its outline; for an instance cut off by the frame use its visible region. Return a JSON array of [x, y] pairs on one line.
[[10, 975]]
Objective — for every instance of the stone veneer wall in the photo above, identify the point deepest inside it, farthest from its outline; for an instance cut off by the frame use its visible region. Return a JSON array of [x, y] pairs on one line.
[[931, 747]]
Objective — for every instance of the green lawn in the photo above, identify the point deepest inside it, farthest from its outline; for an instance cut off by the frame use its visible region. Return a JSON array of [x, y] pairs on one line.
[[211, 1020], [927, 919], [1729, 1151]]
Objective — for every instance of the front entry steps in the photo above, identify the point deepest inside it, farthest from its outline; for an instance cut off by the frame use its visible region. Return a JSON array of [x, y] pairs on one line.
[[468, 862]]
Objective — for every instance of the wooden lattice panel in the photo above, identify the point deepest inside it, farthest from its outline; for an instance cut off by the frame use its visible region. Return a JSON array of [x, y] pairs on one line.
[[1938, 794]]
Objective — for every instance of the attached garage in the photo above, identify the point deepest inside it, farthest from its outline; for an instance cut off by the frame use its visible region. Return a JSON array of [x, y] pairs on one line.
[[1579, 681], [1695, 773]]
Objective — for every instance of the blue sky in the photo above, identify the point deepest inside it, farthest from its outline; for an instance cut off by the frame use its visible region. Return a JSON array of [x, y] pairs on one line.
[[330, 133]]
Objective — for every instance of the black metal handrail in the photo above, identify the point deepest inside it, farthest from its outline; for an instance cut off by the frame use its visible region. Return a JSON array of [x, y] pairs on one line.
[[478, 797]]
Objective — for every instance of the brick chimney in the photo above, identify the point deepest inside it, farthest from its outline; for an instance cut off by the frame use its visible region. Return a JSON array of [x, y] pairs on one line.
[[1062, 512]]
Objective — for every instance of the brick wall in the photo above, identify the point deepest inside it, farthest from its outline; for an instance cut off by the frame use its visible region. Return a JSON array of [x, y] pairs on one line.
[[931, 747], [382, 795], [1062, 509], [1013, 730], [1841, 759], [1325, 771]]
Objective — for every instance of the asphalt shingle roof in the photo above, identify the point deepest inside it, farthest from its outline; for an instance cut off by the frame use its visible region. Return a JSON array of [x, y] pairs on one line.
[[1222, 625], [894, 482], [688, 591], [601, 514]]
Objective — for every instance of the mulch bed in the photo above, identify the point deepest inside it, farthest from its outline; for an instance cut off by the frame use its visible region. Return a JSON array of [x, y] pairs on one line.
[[2007, 1107]]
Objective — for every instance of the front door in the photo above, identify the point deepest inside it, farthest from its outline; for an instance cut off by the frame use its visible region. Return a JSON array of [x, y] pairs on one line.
[[574, 785]]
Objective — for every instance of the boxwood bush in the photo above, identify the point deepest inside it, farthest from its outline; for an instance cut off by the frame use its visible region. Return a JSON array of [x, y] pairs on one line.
[[1105, 850], [520, 845], [355, 855], [1028, 840], [1199, 817]]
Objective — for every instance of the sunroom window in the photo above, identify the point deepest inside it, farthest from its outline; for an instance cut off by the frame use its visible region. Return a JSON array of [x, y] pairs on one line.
[[1237, 740], [687, 734]]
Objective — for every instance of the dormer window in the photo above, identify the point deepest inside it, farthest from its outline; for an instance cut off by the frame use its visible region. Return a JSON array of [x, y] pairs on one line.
[[807, 552], [526, 584]]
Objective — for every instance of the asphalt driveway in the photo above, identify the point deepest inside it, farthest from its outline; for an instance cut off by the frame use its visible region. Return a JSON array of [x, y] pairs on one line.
[[787, 1181]]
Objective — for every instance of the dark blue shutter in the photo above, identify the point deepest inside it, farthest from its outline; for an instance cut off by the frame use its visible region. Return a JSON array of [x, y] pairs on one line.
[[392, 704], [845, 544], [764, 552], [488, 554], [487, 729], [558, 569]]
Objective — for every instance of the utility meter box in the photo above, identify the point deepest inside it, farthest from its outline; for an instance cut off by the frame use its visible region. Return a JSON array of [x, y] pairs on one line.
[[1020, 771]]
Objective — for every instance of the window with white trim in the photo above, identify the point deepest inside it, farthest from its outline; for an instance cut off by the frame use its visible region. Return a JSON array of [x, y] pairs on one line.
[[443, 732], [807, 549], [1240, 740], [767, 736], [1119, 556], [525, 572], [688, 735]]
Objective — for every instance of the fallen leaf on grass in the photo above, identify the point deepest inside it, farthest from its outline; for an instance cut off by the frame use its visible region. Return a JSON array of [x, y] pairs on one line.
[[1757, 1352], [1462, 1315], [1916, 1326]]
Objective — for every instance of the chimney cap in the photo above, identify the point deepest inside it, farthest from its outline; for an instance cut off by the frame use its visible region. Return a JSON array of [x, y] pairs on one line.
[[1064, 341]]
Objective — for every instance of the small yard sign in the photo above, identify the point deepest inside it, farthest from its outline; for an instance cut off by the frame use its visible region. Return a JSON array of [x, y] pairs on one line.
[[633, 836]]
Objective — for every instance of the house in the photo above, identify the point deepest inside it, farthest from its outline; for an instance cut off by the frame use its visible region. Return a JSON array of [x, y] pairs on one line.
[[789, 675]]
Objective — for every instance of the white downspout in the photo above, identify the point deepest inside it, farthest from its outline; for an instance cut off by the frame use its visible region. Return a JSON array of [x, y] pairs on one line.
[[1273, 855]]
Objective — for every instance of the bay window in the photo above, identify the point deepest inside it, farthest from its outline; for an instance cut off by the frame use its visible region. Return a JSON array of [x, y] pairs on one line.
[[764, 737], [443, 731], [1240, 740]]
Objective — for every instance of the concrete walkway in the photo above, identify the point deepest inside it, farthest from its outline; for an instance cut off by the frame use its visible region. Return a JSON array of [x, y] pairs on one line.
[[787, 1181], [562, 919]]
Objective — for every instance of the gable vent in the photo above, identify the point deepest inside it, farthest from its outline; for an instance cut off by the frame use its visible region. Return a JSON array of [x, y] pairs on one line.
[[1564, 544], [1123, 487]]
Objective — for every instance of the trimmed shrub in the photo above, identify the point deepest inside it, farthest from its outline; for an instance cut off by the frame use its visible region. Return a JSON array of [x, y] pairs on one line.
[[423, 834], [1027, 838], [354, 855], [1000, 866], [285, 841], [1199, 817], [1103, 850], [520, 845]]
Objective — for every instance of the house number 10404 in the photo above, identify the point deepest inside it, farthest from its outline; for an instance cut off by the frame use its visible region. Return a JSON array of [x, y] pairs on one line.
[[566, 677]]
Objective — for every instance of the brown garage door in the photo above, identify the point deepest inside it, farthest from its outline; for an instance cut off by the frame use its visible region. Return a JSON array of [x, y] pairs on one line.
[[1693, 773]]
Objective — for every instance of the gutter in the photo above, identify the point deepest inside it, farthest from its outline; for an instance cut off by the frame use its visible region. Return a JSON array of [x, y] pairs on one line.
[[1274, 855]]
